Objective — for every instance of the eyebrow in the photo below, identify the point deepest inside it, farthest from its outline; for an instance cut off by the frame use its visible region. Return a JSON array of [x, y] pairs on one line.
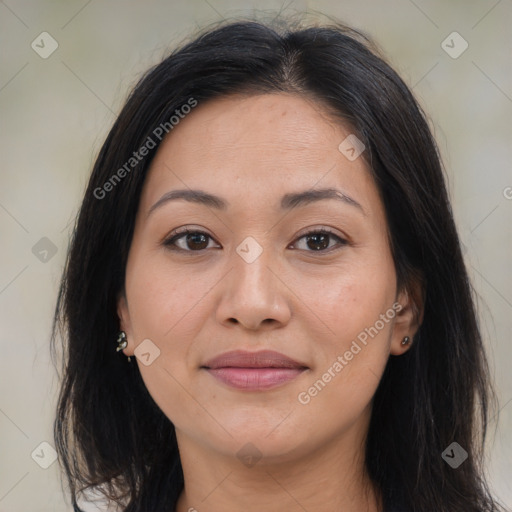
[[288, 201]]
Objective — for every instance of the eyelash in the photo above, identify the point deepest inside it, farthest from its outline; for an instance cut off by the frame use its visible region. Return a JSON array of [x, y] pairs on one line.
[[170, 242]]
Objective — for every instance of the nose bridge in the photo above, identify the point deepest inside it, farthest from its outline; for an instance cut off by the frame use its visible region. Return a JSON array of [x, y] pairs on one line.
[[253, 293], [252, 259]]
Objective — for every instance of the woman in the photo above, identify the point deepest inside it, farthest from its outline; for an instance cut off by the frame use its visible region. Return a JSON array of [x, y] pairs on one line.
[[265, 305]]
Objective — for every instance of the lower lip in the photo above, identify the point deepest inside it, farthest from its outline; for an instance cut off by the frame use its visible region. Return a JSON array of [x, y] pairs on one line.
[[255, 378]]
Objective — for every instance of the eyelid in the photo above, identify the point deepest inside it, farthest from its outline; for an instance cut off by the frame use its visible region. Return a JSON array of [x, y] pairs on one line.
[[321, 229]]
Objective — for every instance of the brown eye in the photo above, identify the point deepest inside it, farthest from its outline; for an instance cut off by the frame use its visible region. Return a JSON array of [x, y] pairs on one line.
[[195, 241], [191, 241], [319, 241]]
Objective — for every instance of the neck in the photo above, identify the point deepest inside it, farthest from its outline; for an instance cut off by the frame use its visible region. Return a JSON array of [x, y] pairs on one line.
[[333, 478]]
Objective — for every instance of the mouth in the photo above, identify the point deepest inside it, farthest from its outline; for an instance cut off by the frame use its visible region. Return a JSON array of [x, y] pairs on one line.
[[253, 371]]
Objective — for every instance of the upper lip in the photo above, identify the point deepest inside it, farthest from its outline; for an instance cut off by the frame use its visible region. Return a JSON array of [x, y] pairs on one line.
[[244, 359]]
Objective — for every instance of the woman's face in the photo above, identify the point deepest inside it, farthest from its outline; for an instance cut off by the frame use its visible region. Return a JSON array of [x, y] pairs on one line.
[[248, 279]]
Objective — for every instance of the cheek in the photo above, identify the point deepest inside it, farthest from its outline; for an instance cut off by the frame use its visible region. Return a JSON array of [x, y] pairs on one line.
[[161, 297], [343, 383], [168, 307], [350, 299], [356, 306]]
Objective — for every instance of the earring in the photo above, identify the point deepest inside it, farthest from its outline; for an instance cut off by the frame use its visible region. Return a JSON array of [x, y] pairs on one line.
[[122, 342], [406, 340]]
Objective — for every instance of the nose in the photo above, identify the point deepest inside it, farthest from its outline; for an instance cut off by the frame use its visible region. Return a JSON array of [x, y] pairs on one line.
[[254, 295]]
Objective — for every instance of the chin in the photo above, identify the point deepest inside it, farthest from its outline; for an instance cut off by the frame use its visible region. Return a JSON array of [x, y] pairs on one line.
[[274, 437]]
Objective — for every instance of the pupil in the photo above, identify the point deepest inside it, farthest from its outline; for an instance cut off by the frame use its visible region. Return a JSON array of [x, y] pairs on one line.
[[314, 238], [193, 237]]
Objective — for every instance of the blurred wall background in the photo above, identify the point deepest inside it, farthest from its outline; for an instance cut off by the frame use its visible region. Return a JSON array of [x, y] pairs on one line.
[[66, 68]]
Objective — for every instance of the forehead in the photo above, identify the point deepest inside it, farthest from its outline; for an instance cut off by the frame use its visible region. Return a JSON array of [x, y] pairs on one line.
[[254, 147], [248, 124]]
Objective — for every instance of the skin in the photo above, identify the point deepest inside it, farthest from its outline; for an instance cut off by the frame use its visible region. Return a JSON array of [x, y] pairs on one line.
[[307, 304]]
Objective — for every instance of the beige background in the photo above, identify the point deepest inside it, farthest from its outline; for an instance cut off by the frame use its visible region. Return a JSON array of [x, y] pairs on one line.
[[56, 111]]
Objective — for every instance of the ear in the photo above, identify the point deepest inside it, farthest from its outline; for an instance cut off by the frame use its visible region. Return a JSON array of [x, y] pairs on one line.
[[410, 317], [125, 323]]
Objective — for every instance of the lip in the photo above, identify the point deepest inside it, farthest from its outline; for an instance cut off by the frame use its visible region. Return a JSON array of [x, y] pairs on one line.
[[254, 370], [245, 359]]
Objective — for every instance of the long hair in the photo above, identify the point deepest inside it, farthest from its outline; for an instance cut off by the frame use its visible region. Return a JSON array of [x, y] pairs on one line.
[[109, 433]]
